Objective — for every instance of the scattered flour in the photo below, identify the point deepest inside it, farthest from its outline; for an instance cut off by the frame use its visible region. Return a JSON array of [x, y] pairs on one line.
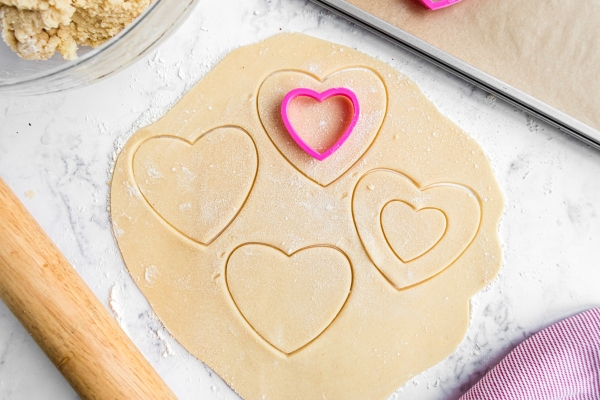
[[150, 273], [116, 301], [152, 171], [117, 231]]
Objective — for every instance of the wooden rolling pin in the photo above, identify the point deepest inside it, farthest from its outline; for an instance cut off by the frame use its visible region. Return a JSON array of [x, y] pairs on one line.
[[64, 317]]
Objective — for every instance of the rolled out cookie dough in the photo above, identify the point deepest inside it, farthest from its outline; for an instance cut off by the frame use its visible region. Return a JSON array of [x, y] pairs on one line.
[[298, 279]]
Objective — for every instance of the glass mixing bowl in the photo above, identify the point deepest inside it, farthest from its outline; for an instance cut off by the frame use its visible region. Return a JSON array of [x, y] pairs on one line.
[[26, 77]]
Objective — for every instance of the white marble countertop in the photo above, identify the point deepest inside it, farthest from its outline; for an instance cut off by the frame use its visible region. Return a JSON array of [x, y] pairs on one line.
[[56, 152]]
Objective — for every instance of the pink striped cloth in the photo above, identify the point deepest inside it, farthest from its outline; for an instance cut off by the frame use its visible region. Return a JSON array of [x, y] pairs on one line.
[[560, 362]]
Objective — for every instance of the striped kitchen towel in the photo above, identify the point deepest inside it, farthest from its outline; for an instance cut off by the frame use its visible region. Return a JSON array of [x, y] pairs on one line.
[[560, 362]]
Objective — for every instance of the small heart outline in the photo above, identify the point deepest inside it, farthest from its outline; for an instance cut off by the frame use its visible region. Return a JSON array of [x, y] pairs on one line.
[[416, 210]]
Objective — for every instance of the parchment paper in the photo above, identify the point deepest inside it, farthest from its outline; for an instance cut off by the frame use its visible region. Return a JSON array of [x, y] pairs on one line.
[[547, 49]]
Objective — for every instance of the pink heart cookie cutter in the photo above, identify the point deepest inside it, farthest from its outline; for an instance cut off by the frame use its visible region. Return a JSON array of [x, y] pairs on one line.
[[436, 5], [320, 97]]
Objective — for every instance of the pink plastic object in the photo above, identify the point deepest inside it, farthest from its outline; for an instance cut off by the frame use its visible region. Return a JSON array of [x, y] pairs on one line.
[[320, 97], [436, 5]]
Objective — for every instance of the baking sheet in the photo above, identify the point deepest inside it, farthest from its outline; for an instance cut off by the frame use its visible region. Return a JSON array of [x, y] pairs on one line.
[[541, 56]]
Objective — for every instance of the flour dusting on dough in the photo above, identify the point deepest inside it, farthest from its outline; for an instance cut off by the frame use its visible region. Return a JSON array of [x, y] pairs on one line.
[[150, 273], [132, 190], [118, 232]]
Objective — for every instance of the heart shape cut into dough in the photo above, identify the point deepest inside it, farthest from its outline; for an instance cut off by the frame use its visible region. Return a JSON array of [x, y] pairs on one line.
[[289, 300], [371, 94], [411, 233], [200, 187], [382, 234]]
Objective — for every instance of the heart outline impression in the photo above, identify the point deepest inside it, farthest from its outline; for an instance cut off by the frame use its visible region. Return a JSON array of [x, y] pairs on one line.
[[320, 97], [460, 205], [369, 87], [183, 216], [263, 300], [410, 248]]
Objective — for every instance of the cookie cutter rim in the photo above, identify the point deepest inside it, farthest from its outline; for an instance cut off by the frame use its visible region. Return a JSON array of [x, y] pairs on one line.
[[436, 5], [320, 97]]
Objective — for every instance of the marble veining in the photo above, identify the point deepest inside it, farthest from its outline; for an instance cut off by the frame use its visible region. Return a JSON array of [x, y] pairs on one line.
[[57, 151]]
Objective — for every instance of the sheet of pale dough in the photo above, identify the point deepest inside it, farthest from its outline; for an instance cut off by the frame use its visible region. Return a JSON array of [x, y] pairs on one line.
[[299, 279], [547, 49]]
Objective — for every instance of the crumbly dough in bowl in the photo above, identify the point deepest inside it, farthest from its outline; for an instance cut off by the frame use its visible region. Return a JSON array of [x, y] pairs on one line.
[[36, 29]]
